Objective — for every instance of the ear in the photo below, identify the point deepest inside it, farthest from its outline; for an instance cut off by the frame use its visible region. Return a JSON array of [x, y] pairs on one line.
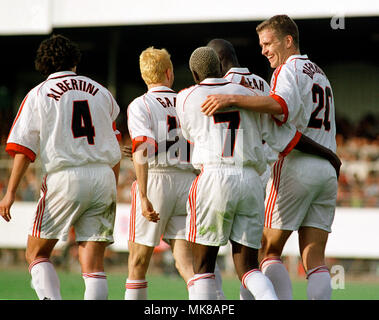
[[196, 77], [289, 41]]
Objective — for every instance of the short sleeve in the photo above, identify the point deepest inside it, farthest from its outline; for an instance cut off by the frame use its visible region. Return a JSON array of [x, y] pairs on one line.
[[283, 138], [24, 136], [285, 90]]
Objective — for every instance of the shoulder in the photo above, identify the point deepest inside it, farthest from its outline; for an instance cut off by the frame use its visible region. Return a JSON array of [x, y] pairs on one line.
[[138, 103], [184, 93]]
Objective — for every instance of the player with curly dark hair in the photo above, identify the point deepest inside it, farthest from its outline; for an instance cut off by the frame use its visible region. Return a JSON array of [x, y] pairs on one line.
[[56, 54], [69, 121]]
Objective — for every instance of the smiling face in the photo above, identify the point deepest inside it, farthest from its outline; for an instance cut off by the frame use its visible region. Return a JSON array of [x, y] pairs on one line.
[[275, 48]]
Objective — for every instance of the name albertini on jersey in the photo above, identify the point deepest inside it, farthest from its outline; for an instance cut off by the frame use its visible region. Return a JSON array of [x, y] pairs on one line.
[[72, 84]]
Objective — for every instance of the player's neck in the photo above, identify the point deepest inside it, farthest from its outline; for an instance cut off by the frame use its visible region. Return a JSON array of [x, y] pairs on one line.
[[163, 84]]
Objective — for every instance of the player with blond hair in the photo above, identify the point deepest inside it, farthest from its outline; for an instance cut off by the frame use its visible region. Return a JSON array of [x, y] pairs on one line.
[[164, 175]]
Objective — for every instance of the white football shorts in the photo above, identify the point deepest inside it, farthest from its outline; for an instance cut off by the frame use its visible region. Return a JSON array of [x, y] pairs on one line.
[[226, 203], [167, 190], [302, 191], [83, 197]]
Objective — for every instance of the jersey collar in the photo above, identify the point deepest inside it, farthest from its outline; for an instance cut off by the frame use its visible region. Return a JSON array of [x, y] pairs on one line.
[[61, 74], [241, 71], [161, 89], [297, 56], [213, 82]]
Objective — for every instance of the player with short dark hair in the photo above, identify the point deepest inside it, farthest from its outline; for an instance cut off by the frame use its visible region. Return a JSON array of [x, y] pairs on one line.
[[69, 120], [302, 190], [226, 201]]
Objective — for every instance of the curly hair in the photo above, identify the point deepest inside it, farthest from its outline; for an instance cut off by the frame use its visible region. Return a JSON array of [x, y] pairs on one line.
[[56, 53]]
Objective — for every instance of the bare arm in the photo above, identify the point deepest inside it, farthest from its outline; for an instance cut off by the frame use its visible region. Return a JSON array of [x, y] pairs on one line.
[[310, 146], [141, 167], [116, 171], [20, 164], [263, 104]]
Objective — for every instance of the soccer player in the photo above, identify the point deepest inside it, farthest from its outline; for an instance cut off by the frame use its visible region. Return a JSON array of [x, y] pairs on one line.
[[303, 188], [226, 200], [164, 175], [69, 120], [233, 72]]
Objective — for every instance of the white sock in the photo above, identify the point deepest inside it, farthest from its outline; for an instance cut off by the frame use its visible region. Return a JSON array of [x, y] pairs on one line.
[[204, 287], [191, 289], [319, 287], [96, 286], [259, 285], [136, 289], [45, 280], [245, 294], [274, 269], [219, 291]]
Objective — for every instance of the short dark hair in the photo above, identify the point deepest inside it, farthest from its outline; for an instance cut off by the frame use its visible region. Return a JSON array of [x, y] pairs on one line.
[[205, 62], [56, 53], [283, 25]]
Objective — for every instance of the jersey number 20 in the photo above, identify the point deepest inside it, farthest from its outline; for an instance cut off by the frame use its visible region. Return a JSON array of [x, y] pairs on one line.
[[82, 122], [318, 94]]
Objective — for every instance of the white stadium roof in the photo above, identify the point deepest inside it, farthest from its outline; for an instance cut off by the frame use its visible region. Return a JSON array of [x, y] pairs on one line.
[[19, 17]]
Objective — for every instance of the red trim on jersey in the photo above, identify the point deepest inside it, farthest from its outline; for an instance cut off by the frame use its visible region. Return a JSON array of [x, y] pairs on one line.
[[276, 74], [132, 222], [270, 204], [63, 76], [40, 211], [137, 141], [18, 114], [214, 84], [117, 133], [164, 91], [241, 73], [283, 104], [291, 145], [192, 204], [13, 148]]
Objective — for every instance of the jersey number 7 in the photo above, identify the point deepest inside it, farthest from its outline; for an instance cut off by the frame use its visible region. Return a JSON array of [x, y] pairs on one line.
[[233, 120], [81, 125]]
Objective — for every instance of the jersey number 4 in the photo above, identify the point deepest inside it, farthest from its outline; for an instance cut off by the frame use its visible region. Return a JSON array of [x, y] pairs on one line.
[[82, 122], [318, 94]]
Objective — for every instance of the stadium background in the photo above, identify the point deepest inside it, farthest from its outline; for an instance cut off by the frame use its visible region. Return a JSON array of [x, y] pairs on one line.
[[343, 39]]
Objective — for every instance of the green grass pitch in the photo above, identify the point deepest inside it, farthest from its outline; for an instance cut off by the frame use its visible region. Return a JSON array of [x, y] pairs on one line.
[[15, 285]]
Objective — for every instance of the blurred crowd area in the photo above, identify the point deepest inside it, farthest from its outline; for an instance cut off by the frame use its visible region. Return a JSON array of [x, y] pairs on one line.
[[357, 146]]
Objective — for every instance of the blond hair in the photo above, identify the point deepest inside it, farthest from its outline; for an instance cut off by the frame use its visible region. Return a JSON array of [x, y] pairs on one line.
[[153, 65]]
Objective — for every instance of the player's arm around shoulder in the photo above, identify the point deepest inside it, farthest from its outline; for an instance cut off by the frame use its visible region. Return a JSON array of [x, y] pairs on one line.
[[251, 102]]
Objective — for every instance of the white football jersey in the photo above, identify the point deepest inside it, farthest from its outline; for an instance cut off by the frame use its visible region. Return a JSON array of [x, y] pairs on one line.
[[152, 118], [69, 120], [231, 136], [306, 96], [246, 78]]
